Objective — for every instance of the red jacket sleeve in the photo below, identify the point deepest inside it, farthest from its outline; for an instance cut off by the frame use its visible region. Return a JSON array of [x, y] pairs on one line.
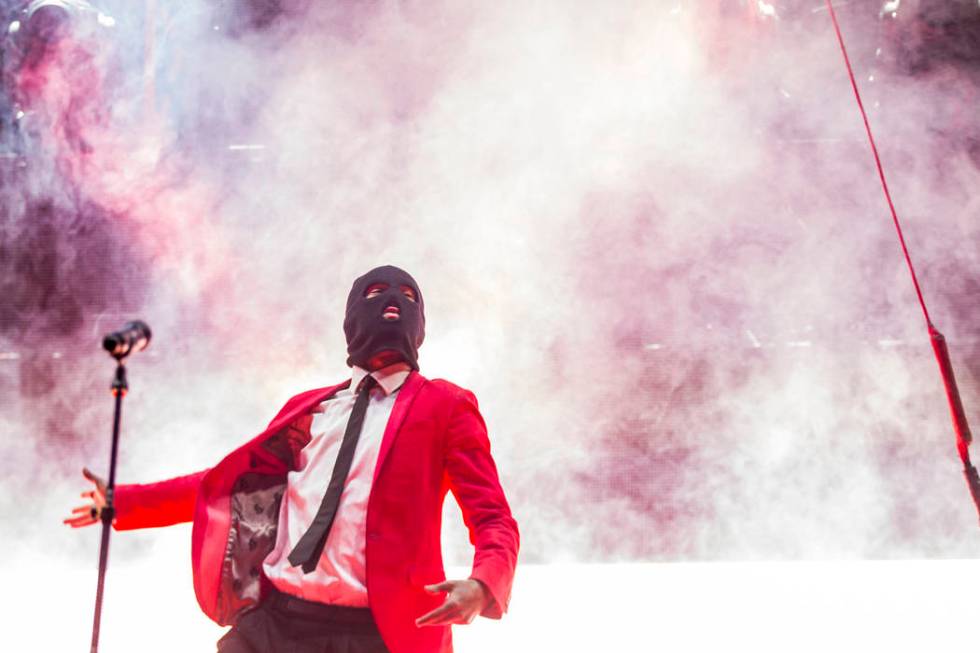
[[474, 482], [156, 504]]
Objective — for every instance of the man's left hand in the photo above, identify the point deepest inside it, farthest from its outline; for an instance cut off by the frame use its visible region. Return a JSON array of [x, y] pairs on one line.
[[465, 600]]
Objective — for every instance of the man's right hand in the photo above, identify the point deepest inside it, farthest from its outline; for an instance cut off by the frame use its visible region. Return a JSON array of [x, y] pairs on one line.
[[89, 513]]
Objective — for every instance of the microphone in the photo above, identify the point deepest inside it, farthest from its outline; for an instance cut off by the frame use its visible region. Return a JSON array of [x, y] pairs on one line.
[[133, 337]]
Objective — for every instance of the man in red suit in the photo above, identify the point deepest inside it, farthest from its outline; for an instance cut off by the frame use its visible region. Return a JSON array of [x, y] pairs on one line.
[[322, 533]]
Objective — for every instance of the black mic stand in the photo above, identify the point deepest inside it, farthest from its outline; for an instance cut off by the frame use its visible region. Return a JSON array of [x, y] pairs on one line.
[[119, 388]]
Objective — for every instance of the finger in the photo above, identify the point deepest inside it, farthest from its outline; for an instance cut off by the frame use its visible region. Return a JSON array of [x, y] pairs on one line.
[[82, 509], [454, 617], [94, 497], [441, 616], [445, 586], [78, 522], [87, 473]]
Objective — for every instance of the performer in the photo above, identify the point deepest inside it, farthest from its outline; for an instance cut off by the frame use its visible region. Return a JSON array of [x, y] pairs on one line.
[[322, 533]]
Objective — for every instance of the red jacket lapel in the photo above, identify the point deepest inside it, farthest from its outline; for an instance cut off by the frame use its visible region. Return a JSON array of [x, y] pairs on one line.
[[403, 403]]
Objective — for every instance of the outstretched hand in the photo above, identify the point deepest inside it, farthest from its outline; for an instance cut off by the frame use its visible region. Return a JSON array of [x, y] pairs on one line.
[[91, 512], [465, 599]]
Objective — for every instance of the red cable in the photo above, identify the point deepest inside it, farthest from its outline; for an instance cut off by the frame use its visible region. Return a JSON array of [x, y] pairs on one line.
[[960, 424], [881, 171]]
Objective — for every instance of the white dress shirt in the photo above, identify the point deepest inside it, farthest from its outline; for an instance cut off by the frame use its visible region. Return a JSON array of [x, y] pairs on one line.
[[339, 578]]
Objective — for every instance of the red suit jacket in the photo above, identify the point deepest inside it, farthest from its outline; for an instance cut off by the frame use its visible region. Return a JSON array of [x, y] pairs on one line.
[[435, 441]]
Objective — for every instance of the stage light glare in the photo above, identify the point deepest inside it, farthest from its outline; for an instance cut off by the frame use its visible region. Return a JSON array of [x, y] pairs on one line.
[[890, 7], [766, 9]]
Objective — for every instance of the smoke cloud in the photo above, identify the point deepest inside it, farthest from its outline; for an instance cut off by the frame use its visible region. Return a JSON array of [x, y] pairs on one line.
[[650, 237]]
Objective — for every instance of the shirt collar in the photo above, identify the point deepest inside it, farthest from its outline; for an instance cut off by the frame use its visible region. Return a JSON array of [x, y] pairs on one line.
[[389, 378]]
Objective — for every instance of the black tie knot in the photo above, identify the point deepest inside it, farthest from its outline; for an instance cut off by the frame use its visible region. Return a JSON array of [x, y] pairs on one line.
[[366, 384]]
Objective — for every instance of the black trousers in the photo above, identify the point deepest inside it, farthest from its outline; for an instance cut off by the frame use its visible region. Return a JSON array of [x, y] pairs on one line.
[[286, 624]]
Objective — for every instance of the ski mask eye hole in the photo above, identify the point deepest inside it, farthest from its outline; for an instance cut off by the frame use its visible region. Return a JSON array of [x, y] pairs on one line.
[[375, 289], [409, 293]]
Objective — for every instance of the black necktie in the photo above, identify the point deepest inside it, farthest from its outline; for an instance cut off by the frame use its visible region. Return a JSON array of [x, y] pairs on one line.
[[307, 552]]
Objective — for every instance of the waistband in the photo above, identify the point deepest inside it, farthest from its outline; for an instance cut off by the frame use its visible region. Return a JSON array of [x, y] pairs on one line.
[[337, 614]]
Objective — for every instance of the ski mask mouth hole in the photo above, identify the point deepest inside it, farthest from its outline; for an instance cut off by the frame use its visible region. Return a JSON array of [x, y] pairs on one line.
[[391, 313]]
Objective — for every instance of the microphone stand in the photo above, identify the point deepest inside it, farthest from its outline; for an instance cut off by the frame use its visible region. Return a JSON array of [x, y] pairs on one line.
[[119, 388]]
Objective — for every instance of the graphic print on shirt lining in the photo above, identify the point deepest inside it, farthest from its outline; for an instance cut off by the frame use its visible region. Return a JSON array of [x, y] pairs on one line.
[[255, 500], [252, 535]]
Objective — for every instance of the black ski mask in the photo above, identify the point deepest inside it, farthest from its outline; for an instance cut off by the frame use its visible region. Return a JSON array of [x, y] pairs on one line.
[[368, 333]]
